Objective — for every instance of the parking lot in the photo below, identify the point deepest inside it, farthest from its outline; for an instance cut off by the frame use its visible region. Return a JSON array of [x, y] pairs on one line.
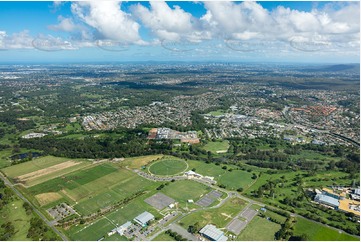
[[241, 221], [209, 198], [236, 226]]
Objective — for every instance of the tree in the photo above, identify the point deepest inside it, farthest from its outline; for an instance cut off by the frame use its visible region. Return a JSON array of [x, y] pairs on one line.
[[240, 189]]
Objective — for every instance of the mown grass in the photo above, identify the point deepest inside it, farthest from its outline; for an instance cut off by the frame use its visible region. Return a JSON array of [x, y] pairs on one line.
[[217, 146], [316, 231], [183, 190], [218, 216], [168, 167], [259, 229]]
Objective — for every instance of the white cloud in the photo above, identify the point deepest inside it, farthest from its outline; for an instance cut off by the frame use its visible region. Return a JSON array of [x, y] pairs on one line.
[[167, 23], [249, 20], [20, 40], [109, 21], [65, 24]]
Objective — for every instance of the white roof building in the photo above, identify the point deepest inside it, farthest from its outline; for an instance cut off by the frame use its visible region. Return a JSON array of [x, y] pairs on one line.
[[144, 218], [211, 232], [121, 229]]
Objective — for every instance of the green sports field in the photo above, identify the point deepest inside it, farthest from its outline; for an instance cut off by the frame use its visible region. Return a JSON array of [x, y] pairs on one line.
[[167, 167], [316, 231], [183, 190], [102, 226]]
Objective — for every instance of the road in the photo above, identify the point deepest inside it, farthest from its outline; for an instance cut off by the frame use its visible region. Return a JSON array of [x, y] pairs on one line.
[[49, 223]]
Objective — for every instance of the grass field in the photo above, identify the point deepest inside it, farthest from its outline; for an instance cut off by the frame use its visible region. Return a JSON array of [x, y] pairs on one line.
[[164, 237], [167, 167], [217, 113], [183, 190], [206, 169], [74, 179], [15, 213], [115, 237], [236, 179], [102, 226], [218, 216], [318, 232], [217, 146], [33, 165], [231, 179], [89, 188], [259, 229]]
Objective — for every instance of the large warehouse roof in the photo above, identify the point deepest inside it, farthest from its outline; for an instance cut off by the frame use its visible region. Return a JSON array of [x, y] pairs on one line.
[[213, 233], [327, 200], [144, 218]]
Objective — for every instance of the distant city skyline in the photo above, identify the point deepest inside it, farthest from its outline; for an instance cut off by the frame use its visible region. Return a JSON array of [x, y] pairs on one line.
[[112, 31]]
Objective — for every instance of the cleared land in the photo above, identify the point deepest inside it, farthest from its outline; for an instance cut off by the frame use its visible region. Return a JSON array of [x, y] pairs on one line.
[[217, 147], [34, 165], [259, 229], [167, 167], [317, 231], [42, 172], [138, 162]]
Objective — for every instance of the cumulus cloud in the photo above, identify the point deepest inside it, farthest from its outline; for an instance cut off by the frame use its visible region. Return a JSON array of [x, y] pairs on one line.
[[65, 24], [20, 40], [164, 22], [249, 20], [108, 20]]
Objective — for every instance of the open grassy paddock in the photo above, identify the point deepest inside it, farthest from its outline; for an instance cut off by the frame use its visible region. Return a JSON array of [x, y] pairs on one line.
[[218, 216], [33, 165], [231, 179], [138, 162], [168, 167], [236, 179], [217, 147], [316, 231], [164, 237], [15, 213], [259, 229]]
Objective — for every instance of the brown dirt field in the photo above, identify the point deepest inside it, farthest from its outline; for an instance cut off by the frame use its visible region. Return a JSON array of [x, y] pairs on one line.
[[46, 198], [35, 174], [138, 162]]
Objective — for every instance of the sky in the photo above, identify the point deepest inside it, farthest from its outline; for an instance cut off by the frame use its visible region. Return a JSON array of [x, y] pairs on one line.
[[113, 31]]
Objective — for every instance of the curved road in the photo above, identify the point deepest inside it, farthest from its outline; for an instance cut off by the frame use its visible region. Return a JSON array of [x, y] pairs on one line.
[[12, 187]]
